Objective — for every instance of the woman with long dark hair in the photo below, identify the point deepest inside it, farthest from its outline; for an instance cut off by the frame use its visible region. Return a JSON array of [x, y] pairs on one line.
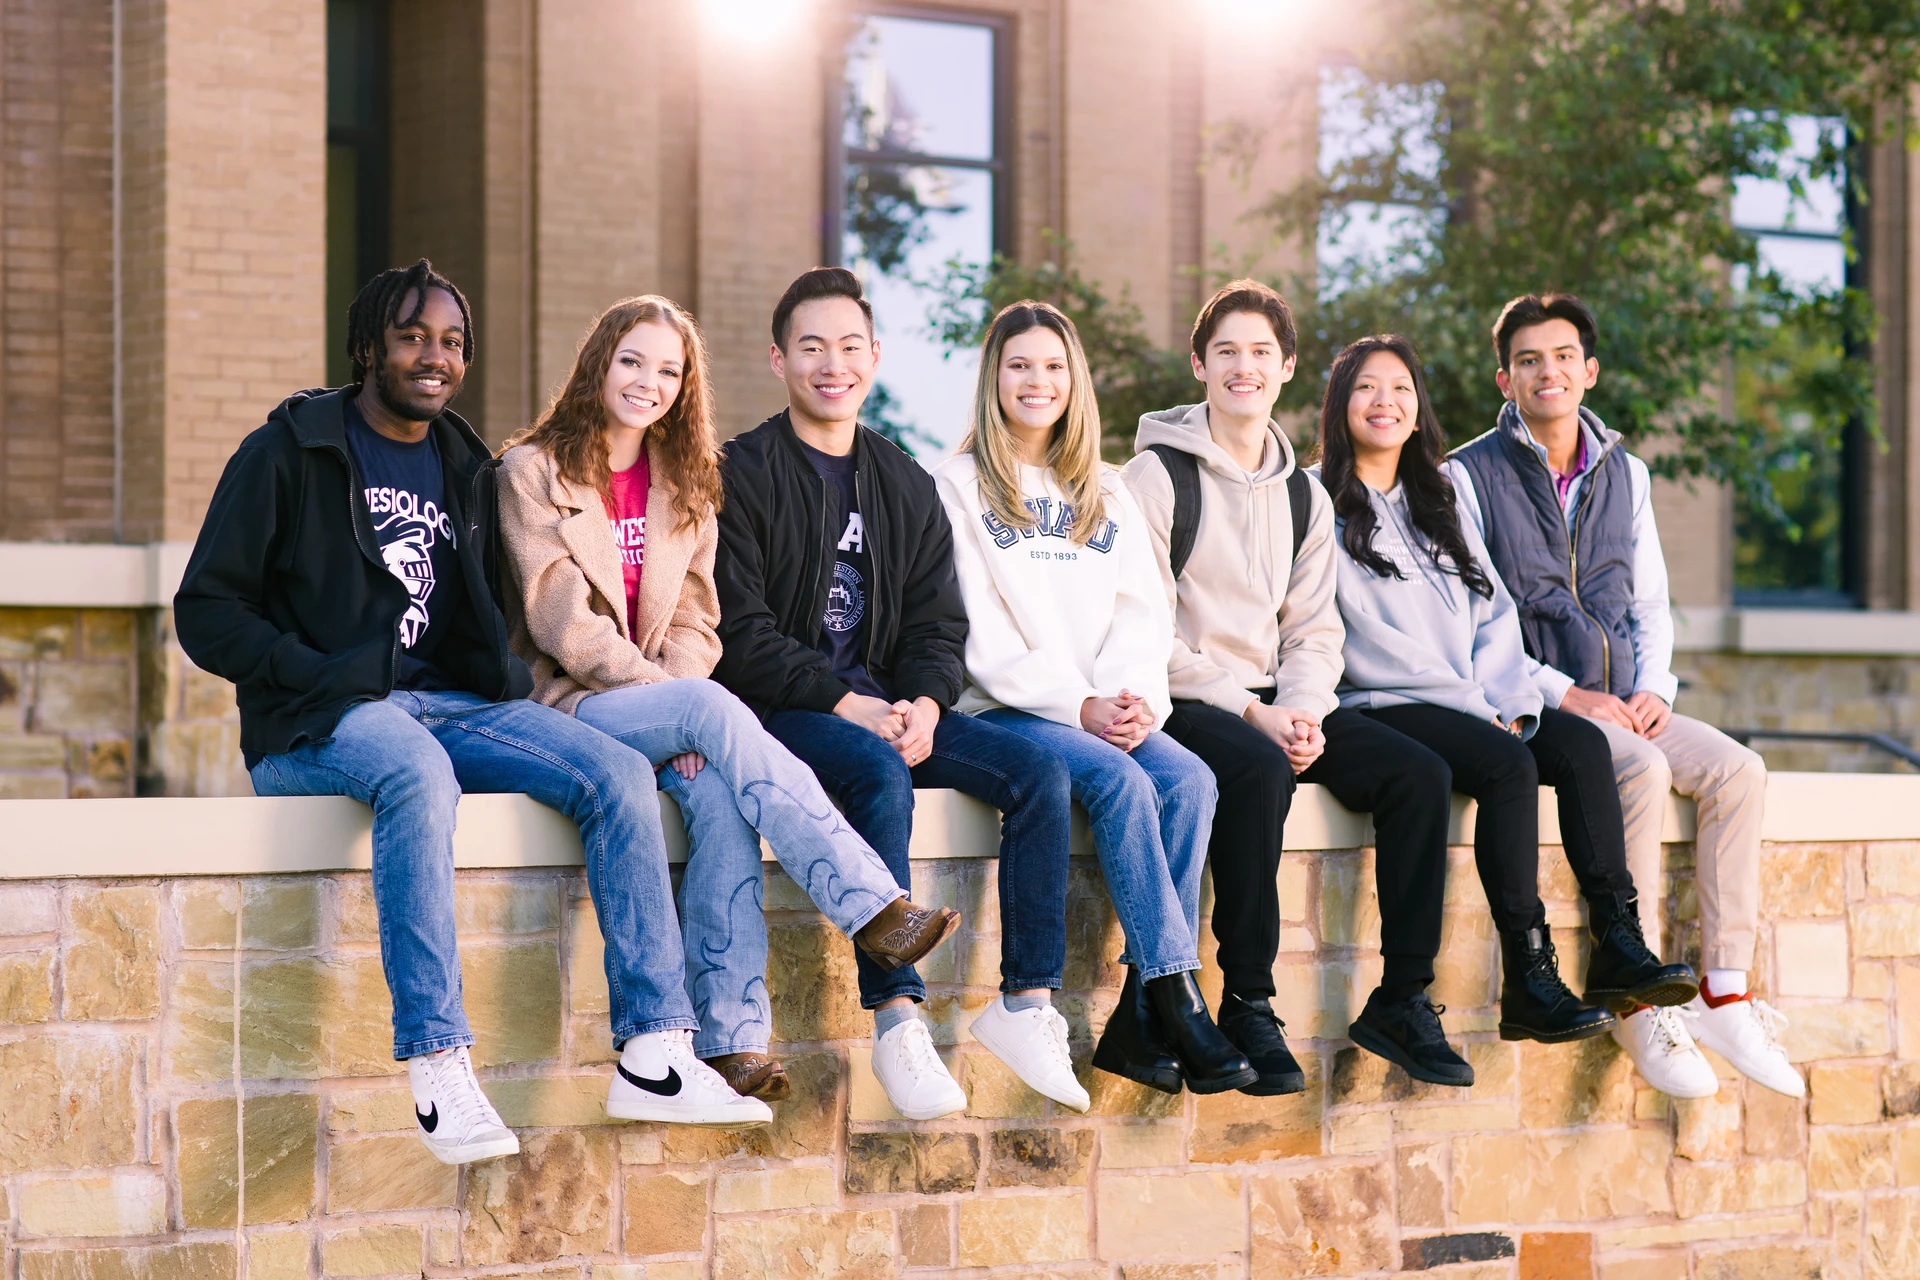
[[1434, 650]]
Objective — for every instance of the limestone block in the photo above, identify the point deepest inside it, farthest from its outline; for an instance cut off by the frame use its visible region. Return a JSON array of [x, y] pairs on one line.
[[1349, 902], [26, 986], [1901, 1088], [1893, 869], [1460, 1118], [1812, 958], [799, 1246], [1359, 1133], [1708, 1128], [1118, 1096], [377, 1110], [69, 1103], [284, 1004], [355, 918], [1835, 1029], [1142, 1146], [1872, 981], [112, 954], [33, 786], [926, 1235], [371, 1251], [586, 961], [37, 633], [197, 1261], [277, 914], [551, 1102], [1586, 1082], [812, 983], [1422, 1179], [1464, 976], [1559, 1177], [666, 1213], [796, 1131], [1295, 880], [1362, 1078], [1646, 1266], [948, 1015], [23, 751], [591, 1042], [520, 904], [119, 1204], [387, 1173], [1773, 1122], [512, 994], [1845, 1093], [356, 1032], [795, 1187], [28, 909], [1893, 1238], [1762, 1262], [1906, 980], [83, 699], [1001, 1230], [282, 1139], [993, 1091], [1886, 928], [1050, 1157], [554, 1198], [1330, 1221], [1737, 1188], [929, 1163], [1235, 1127], [278, 1255], [1802, 880], [1850, 1159]]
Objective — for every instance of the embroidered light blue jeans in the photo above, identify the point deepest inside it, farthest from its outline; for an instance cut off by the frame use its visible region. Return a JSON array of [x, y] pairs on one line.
[[751, 787], [408, 758]]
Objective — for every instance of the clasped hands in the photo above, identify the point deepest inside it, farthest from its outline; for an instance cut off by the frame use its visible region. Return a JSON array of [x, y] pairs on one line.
[[905, 726], [1644, 713]]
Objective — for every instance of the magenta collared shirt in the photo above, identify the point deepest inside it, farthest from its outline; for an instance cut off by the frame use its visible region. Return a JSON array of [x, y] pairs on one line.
[[1564, 481]]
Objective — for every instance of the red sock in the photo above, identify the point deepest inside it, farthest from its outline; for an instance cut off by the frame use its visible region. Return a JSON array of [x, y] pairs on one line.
[[1714, 1002]]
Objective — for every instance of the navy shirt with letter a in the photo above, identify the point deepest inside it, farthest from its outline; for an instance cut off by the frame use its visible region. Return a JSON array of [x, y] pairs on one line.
[[843, 625], [406, 492]]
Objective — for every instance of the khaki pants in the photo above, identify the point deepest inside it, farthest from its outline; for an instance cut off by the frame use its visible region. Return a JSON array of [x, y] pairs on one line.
[[1728, 784]]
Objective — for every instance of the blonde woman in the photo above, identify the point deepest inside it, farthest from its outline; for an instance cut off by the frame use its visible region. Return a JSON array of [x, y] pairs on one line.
[[608, 507], [1069, 634]]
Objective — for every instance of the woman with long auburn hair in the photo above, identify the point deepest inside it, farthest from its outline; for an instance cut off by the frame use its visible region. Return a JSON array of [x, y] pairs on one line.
[[1067, 645], [1434, 651], [608, 509]]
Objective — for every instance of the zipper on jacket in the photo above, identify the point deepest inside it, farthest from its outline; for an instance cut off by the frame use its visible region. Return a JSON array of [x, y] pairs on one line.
[[873, 565], [354, 486], [1573, 565]]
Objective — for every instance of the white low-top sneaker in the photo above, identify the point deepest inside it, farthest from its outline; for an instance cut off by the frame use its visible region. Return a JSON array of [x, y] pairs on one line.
[[1660, 1046], [658, 1078], [1033, 1044], [916, 1081], [453, 1116], [1746, 1032]]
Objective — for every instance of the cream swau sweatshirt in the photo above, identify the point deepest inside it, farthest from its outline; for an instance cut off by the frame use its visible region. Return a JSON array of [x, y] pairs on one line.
[[1051, 622], [1251, 610]]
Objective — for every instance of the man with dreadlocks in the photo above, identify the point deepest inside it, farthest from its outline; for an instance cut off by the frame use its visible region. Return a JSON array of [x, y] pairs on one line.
[[345, 580]]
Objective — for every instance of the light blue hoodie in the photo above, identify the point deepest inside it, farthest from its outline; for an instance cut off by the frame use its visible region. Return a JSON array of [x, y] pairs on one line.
[[1428, 637]]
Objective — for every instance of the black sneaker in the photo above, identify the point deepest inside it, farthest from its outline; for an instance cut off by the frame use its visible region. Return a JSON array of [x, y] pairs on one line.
[[1407, 1033], [1254, 1030]]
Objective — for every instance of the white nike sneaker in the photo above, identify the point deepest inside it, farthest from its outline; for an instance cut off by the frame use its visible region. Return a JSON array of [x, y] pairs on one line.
[[916, 1081], [1033, 1044], [1660, 1046], [658, 1078], [1746, 1032], [455, 1119]]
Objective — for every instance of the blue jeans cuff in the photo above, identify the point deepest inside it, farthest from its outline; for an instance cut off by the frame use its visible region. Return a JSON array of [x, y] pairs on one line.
[[1161, 971], [1029, 984], [915, 991], [867, 919], [705, 1051], [415, 1048], [623, 1034]]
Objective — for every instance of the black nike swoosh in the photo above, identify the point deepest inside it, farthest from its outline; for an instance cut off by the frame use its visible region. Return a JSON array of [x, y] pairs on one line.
[[431, 1120], [667, 1086]]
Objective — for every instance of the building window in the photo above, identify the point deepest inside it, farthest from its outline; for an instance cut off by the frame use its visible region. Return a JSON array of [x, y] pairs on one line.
[[919, 181], [1362, 124], [1798, 548], [358, 186]]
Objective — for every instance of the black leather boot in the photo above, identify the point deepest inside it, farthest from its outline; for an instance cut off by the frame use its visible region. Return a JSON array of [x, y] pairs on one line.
[[1407, 1033], [1250, 1025], [1534, 1003], [1208, 1059], [1133, 1046], [1622, 971]]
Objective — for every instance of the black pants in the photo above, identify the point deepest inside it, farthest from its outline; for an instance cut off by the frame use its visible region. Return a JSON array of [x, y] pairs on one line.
[[1368, 767], [1504, 774]]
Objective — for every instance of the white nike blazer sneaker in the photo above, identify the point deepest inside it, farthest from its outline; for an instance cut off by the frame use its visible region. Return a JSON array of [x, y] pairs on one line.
[[1033, 1044], [658, 1078], [454, 1118], [915, 1080], [1746, 1032], [1660, 1045]]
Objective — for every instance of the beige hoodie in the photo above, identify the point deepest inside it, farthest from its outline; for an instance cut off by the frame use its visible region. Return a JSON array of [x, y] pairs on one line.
[[1241, 619]]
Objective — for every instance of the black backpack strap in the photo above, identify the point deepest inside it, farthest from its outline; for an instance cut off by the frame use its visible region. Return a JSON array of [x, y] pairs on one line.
[[1184, 470], [1300, 498]]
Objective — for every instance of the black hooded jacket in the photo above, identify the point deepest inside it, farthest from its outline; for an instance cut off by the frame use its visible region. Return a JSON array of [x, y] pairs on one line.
[[775, 561], [286, 594]]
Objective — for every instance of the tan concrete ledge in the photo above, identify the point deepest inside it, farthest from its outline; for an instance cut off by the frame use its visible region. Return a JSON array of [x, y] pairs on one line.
[[253, 836], [1809, 632], [91, 575]]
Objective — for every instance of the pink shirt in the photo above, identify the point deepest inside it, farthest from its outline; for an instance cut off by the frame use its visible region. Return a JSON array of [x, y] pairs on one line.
[[1561, 481], [627, 511]]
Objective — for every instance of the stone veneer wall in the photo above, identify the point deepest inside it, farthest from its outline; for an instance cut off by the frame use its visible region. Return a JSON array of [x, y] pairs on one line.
[[1812, 692], [137, 1013]]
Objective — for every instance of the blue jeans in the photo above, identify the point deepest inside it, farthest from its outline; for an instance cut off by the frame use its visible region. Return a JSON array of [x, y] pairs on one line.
[[750, 782], [1151, 812], [1029, 787], [409, 757]]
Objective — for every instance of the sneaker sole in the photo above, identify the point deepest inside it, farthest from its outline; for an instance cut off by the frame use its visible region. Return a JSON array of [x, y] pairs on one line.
[[1381, 1047], [473, 1151], [929, 1113], [1278, 1086], [1081, 1104], [1164, 1081], [1660, 994], [891, 963], [1514, 1031], [1225, 1084], [696, 1117]]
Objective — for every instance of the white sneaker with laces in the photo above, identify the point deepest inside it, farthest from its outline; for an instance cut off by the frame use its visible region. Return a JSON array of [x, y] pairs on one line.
[[455, 1120], [1658, 1042], [1746, 1032], [658, 1078], [916, 1081], [1033, 1044]]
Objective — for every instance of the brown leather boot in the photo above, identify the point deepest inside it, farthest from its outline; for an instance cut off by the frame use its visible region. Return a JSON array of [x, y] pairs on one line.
[[753, 1075], [902, 934]]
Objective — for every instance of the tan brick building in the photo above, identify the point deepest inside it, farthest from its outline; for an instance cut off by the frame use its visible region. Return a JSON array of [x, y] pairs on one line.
[[190, 190]]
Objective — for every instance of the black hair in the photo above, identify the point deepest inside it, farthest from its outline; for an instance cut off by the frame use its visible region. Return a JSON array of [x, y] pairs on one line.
[[1429, 494], [1532, 308], [811, 286], [376, 308], [1250, 296]]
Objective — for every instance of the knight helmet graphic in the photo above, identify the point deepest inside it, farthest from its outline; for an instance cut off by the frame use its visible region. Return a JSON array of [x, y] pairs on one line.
[[407, 559]]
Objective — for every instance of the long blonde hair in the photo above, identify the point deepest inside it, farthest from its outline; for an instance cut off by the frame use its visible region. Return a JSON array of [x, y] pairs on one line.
[[574, 427], [1073, 455]]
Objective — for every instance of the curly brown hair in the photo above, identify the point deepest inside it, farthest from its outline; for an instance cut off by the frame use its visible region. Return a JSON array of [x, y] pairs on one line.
[[574, 427]]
